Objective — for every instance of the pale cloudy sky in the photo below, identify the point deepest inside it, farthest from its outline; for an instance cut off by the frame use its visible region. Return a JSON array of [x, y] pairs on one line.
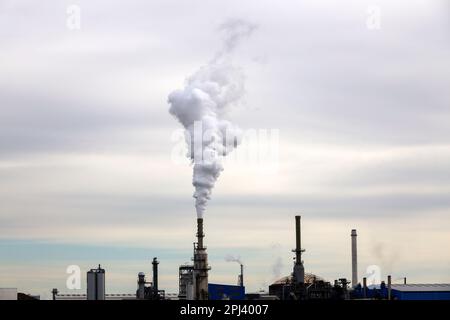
[[86, 174]]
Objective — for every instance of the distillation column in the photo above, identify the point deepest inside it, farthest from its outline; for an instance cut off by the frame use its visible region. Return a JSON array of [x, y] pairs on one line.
[[299, 270], [200, 265]]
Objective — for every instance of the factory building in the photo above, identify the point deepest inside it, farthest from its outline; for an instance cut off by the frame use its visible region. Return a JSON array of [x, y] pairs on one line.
[[299, 287], [193, 279], [149, 290], [112, 296], [225, 292], [186, 282], [433, 291]]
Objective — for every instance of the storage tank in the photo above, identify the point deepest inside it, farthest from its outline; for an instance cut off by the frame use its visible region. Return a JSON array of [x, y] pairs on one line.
[[140, 293], [96, 284]]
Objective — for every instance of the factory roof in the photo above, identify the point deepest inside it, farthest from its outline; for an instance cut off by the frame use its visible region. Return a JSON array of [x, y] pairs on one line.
[[430, 287]]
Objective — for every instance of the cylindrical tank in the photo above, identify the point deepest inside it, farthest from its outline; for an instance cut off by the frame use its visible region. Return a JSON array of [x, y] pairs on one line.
[[140, 293], [96, 284]]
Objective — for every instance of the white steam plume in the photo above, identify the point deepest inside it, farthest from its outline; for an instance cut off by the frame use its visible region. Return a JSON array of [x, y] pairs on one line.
[[201, 107], [230, 258]]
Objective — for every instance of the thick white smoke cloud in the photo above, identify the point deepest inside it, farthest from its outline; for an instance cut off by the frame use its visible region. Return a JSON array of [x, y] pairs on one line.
[[202, 106]]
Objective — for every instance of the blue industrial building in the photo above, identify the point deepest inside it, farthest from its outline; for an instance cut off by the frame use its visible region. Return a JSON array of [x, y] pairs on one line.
[[421, 291], [434, 291], [225, 292]]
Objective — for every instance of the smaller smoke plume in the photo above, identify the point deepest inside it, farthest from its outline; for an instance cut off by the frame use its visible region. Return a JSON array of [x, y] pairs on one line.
[[386, 255], [277, 267], [233, 31], [230, 258]]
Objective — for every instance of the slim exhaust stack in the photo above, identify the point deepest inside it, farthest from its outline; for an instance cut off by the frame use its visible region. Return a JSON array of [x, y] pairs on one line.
[[389, 287], [364, 287], [200, 234], [155, 278], [299, 270], [354, 259], [200, 265]]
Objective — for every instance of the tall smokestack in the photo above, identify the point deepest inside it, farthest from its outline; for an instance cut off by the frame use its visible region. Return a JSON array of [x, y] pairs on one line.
[[200, 234], [242, 275], [155, 277], [200, 265], [299, 270], [354, 259]]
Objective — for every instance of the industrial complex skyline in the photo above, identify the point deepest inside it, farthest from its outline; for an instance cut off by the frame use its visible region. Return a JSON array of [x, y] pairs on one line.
[[87, 174]]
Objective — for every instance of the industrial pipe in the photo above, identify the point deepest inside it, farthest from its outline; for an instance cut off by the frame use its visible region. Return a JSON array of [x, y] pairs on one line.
[[155, 277], [299, 270], [365, 287], [389, 287], [200, 234], [298, 245], [242, 275], [354, 259]]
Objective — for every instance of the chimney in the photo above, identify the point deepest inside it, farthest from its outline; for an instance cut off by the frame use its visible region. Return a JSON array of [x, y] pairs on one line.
[[389, 287], [200, 234], [201, 267], [299, 270], [364, 287], [404, 280], [155, 277], [242, 276], [354, 259]]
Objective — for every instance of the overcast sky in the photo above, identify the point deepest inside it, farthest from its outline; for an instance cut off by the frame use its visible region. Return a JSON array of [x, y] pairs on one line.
[[86, 171]]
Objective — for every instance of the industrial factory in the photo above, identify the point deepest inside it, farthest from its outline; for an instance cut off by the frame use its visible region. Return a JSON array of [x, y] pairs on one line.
[[299, 285]]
